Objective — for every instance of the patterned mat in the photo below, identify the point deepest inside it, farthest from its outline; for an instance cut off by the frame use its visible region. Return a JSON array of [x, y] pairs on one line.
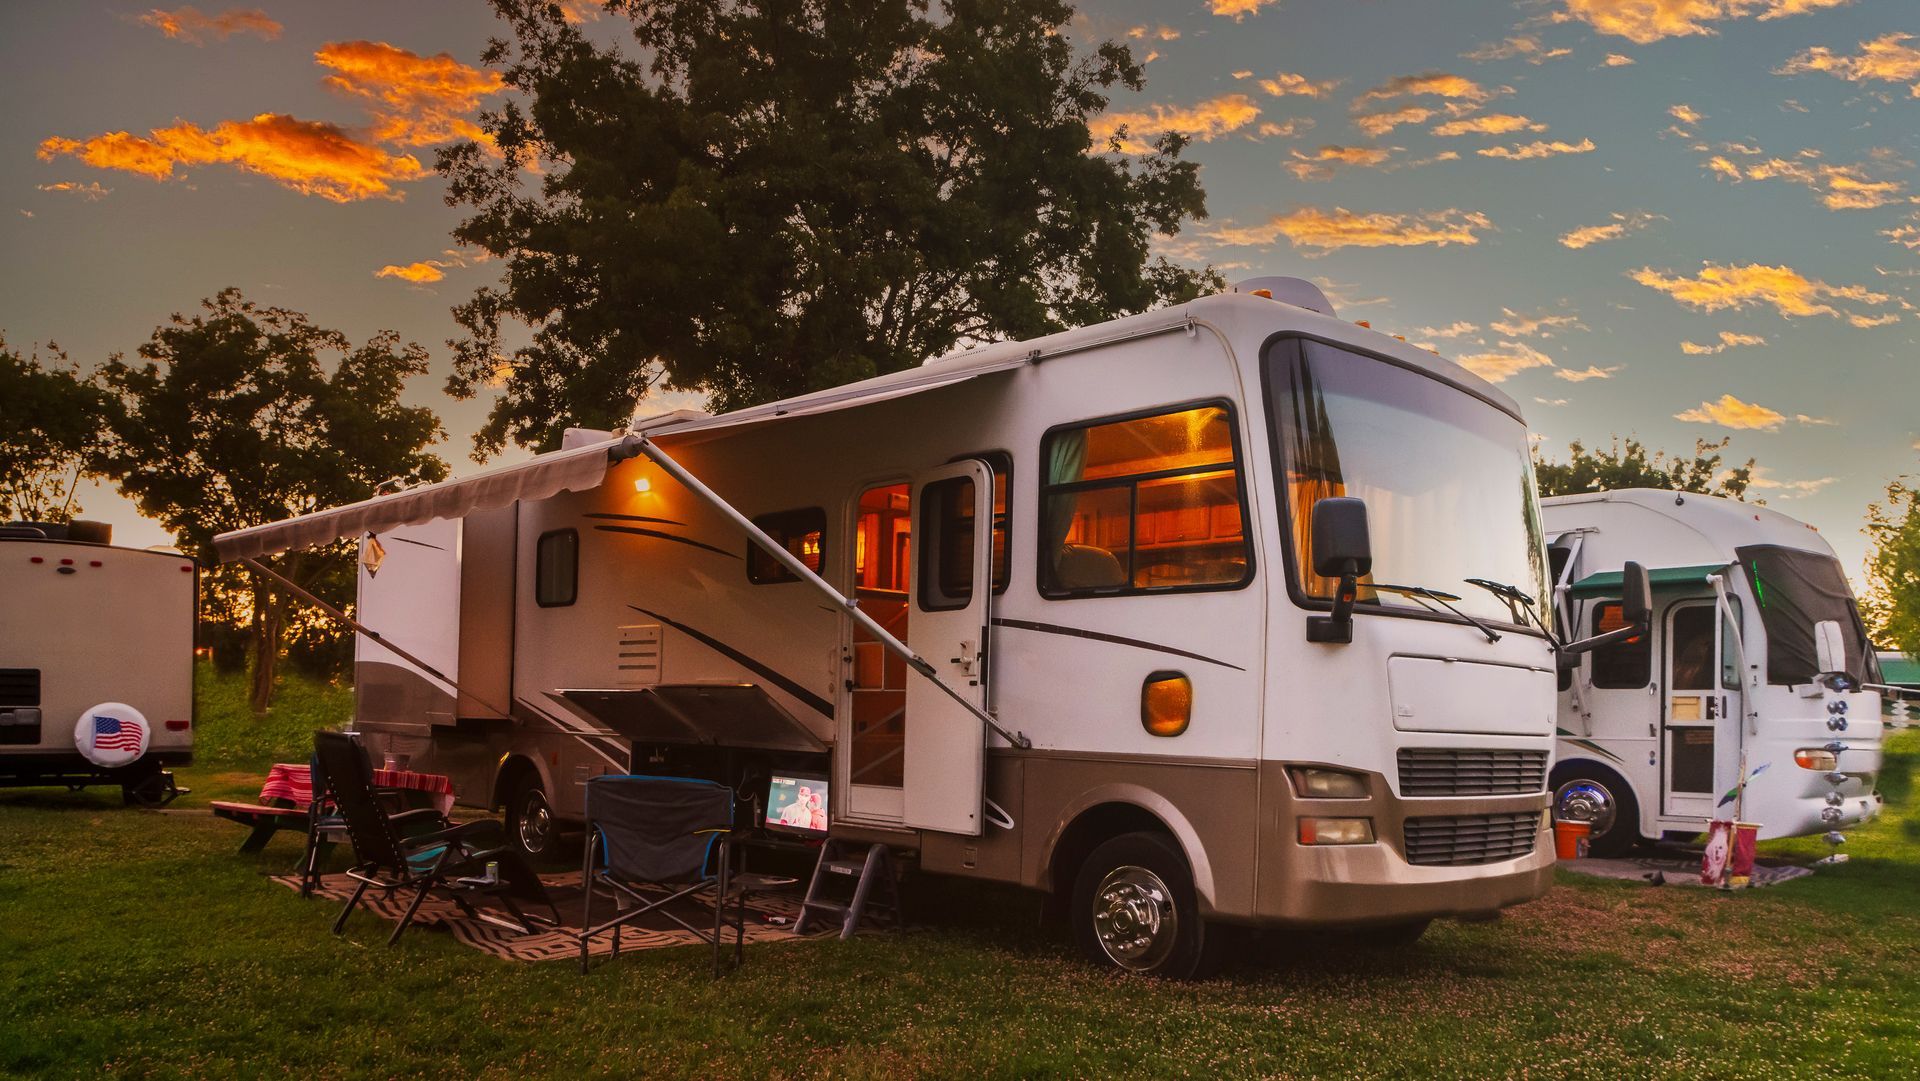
[[1677, 867], [770, 918]]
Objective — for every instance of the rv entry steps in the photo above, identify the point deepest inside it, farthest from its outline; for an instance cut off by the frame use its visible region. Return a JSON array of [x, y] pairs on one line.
[[870, 871]]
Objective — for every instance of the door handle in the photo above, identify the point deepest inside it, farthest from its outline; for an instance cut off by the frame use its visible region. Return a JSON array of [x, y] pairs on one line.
[[968, 658]]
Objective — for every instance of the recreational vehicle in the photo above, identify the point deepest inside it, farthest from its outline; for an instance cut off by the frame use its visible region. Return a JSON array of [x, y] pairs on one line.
[[1194, 618], [1756, 661], [96, 660]]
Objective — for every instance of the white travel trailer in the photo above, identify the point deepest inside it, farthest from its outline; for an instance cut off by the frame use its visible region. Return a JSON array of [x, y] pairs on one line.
[[1756, 653], [1058, 613], [96, 660]]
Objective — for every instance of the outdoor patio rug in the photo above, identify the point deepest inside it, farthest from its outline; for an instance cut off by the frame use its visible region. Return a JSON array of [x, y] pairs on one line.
[[1677, 867], [770, 918]]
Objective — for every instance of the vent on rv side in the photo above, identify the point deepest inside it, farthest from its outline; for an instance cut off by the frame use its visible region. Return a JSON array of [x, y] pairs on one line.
[[637, 660]]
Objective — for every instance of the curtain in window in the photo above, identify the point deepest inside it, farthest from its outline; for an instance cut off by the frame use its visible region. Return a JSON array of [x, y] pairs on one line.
[[1313, 472], [1066, 462]]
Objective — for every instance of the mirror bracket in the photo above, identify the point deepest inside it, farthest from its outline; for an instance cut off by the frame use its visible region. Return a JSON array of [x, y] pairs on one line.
[[1337, 628]]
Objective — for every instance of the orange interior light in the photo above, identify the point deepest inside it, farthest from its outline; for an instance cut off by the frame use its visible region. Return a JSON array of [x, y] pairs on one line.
[[1166, 703]]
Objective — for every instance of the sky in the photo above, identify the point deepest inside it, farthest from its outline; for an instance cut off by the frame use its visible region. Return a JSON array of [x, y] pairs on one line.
[[1668, 219]]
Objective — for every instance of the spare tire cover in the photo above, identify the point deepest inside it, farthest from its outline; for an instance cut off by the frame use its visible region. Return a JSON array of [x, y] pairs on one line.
[[111, 734]]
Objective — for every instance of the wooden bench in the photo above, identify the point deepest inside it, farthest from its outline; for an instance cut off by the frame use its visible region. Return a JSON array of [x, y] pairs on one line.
[[286, 800]]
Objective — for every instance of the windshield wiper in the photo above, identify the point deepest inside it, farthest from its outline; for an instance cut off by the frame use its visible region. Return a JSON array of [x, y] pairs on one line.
[[1422, 593], [1519, 603]]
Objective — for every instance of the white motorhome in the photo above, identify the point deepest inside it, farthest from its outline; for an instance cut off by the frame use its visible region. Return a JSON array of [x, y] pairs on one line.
[[96, 660], [1047, 613], [1756, 653]]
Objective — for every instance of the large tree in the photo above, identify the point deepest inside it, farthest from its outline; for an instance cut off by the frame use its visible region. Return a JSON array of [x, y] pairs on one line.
[[1892, 603], [1628, 465], [49, 431], [239, 416], [772, 197]]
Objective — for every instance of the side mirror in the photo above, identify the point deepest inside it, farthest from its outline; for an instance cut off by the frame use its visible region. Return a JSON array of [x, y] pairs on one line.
[[1342, 549], [1636, 596], [1829, 647]]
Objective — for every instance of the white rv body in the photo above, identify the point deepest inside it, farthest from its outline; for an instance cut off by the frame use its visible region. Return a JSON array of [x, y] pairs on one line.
[[1204, 587], [83, 625], [1716, 680]]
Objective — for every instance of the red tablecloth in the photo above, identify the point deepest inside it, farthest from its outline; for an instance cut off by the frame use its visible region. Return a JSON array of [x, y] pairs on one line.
[[292, 782]]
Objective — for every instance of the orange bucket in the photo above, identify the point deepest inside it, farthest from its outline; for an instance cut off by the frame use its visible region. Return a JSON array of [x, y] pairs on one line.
[[1570, 840]]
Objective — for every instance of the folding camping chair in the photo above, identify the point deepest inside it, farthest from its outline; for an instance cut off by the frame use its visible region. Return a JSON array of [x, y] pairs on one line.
[[419, 849], [667, 831]]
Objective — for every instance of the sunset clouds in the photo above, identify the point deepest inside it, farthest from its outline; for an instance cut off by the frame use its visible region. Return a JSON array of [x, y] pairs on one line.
[[1866, 185], [1288, 83], [1320, 231], [1205, 121], [1728, 340], [1787, 291], [1536, 149], [1645, 21], [415, 100], [1487, 124], [1509, 360], [1588, 235], [417, 273], [1731, 412], [310, 157], [1887, 58], [190, 25]]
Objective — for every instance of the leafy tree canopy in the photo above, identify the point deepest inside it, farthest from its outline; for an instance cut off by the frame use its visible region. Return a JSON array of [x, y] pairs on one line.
[[1626, 464], [238, 417], [53, 424], [775, 197], [1892, 603]]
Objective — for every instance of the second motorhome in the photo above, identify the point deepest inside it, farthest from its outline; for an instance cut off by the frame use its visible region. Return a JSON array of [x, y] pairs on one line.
[[1186, 618], [1756, 655]]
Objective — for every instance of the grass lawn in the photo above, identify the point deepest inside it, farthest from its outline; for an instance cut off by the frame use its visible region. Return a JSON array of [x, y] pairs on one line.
[[138, 943]]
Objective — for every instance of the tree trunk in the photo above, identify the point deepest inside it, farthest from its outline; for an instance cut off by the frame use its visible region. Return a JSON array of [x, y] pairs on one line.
[[266, 644]]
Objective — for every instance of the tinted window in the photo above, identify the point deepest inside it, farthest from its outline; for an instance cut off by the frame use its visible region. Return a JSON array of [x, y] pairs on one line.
[[1145, 504], [556, 570], [946, 544], [1622, 665], [801, 532], [1693, 653]]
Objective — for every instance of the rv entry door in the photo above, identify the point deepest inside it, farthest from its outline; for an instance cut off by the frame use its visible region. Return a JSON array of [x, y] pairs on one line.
[[1696, 709], [950, 586]]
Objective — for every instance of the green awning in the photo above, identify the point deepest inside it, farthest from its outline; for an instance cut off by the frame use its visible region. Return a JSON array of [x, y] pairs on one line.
[[1899, 670], [1607, 583]]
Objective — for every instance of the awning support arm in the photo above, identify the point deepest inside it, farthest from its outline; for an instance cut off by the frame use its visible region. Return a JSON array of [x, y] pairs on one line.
[[1730, 623], [288, 585], [849, 605]]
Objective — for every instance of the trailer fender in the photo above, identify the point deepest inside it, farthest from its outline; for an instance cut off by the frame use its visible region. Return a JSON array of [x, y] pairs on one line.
[[1109, 810], [509, 768]]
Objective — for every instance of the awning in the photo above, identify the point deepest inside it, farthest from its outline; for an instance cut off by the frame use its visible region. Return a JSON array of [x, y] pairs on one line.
[[1607, 583], [546, 475]]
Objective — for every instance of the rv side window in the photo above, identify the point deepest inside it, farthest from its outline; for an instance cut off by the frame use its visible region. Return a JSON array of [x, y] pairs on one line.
[[1002, 465], [801, 532], [1143, 504], [1622, 665], [556, 568], [946, 547]]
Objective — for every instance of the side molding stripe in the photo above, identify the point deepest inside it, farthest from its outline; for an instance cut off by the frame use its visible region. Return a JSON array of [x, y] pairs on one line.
[[637, 531], [813, 701], [1097, 636]]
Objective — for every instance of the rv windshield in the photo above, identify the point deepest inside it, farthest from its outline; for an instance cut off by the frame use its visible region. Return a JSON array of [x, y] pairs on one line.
[[1446, 477]]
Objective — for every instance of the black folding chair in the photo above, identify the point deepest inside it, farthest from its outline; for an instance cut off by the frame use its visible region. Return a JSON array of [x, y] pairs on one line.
[[419, 849], [666, 831]]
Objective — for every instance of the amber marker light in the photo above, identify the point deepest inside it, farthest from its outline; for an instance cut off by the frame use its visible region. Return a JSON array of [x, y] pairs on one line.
[[1166, 703], [1336, 831]]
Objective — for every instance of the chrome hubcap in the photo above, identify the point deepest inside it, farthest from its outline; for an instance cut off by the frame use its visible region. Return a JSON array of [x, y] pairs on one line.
[[536, 823], [1134, 918], [1581, 800]]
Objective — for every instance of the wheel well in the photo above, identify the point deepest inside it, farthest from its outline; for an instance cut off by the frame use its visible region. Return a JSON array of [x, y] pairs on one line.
[[1088, 831], [511, 771], [1599, 771]]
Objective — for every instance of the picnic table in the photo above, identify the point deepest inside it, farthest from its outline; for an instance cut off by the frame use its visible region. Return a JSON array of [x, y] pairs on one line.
[[293, 781]]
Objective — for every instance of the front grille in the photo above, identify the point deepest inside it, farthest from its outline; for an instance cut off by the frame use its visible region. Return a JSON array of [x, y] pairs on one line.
[[19, 687], [1465, 840], [1455, 771]]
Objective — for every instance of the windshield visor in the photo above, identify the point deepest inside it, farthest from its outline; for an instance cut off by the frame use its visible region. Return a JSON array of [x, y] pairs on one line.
[[1446, 477], [1795, 589]]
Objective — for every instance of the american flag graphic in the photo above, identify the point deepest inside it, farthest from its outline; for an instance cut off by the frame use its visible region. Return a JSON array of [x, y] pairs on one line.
[[109, 734]]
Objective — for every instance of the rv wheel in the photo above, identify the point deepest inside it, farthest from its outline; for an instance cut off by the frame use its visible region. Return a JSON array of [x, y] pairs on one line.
[[1604, 802], [530, 818], [1134, 909]]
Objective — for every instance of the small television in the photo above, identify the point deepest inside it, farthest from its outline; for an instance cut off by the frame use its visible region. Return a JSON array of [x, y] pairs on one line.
[[797, 804]]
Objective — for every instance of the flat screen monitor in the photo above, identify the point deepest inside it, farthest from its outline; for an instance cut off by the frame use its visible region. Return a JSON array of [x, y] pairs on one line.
[[797, 804]]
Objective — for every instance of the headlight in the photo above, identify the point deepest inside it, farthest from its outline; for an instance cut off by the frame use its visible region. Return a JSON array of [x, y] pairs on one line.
[[1336, 831], [1818, 759], [1328, 784]]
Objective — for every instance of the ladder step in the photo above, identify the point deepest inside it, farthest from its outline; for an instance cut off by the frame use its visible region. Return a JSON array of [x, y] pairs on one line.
[[844, 867], [835, 907]]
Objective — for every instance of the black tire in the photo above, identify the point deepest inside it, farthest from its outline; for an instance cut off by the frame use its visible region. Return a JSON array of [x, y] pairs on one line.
[[1583, 792], [1134, 909], [532, 828]]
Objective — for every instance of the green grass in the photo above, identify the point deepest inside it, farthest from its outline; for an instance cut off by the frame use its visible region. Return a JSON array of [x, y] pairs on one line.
[[137, 943]]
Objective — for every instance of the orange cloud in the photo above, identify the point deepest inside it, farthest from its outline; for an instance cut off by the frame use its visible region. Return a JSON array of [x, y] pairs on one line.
[[1322, 231], [190, 25], [1589, 372], [1728, 340], [1288, 83], [1621, 225], [1537, 149], [1644, 21], [1451, 330], [1428, 83], [1515, 325], [415, 100], [1731, 412], [311, 157], [1841, 187], [1685, 114], [1240, 9], [1378, 124], [1163, 33], [1789, 292], [1509, 360], [1615, 60], [580, 11], [1887, 58], [1520, 45], [1867, 321], [1907, 236], [92, 193], [1324, 162], [1488, 124], [417, 273], [1205, 121], [1292, 126]]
